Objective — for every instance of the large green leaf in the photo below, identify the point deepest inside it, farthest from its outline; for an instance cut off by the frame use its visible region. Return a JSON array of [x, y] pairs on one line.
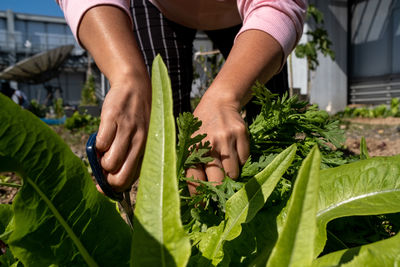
[[382, 253], [158, 236], [6, 226], [59, 217], [6, 222], [295, 245], [366, 187], [6, 215], [244, 205], [265, 232]]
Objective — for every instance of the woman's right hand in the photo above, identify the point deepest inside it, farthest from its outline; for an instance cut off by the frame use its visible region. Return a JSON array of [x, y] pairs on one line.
[[123, 130], [106, 32]]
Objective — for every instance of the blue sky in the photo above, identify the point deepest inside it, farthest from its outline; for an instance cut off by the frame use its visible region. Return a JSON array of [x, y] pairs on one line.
[[39, 7]]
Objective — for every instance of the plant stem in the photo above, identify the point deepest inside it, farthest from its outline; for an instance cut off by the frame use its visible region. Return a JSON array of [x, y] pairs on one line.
[[10, 185], [290, 63], [337, 239]]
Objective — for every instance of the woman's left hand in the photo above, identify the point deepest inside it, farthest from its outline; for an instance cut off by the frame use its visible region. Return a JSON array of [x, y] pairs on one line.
[[228, 135], [219, 108]]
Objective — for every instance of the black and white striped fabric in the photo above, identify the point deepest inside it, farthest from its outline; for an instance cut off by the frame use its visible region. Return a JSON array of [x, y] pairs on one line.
[[155, 34]]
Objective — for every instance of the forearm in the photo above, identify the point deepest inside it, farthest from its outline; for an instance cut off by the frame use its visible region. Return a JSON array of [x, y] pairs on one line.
[[106, 33], [255, 56]]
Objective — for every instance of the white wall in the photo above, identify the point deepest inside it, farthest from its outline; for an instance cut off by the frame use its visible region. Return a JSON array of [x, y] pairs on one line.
[[329, 82], [299, 68]]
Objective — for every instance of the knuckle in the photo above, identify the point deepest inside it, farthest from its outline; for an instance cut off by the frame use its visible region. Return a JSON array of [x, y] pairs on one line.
[[118, 184], [109, 164], [132, 121], [140, 136], [101, 144], [239, 129], [223, 135], [109, 114]]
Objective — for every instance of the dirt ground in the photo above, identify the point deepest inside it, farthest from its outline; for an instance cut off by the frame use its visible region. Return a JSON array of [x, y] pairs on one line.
[[382, 136]]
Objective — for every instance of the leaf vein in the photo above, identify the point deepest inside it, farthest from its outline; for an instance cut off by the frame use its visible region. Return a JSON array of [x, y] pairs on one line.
[[331, 207], [84, 253]]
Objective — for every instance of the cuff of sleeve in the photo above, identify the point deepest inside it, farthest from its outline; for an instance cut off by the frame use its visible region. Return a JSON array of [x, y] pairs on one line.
[[80, 8], [277, 24]]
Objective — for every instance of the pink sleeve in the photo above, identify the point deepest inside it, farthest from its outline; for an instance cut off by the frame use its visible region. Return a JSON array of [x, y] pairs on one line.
[[282, 19], [75, 9]]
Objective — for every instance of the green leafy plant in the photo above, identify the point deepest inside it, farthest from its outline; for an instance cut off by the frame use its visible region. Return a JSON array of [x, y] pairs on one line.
[[37, 109], [88, 95], [363, 149], [319, 40], [58, 217], [206, 66], [284, 121], [87, 122], [158, 235], [394, 107], [58, 108], [4, 181], [52, 214], [380, 111]]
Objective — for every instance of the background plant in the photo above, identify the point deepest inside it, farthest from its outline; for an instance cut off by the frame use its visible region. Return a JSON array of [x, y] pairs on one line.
[[5, 181], [318, 40], [381, 111], [37, 108], [85, 122], [284, 121], [88, 95], [58, 108], [206, 66]]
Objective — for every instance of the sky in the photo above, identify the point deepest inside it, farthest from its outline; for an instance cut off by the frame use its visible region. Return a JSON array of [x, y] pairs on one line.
[[38, 7]]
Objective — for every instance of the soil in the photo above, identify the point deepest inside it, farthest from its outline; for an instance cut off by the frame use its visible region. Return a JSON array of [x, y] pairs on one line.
[[7, 194], [382, 136]]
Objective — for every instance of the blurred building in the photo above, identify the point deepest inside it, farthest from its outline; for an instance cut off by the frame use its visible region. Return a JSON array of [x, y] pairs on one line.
[[365, 36], [23, 35], [366, 41]]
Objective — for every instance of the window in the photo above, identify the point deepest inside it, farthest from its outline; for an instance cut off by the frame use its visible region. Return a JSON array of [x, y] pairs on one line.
[[375, 38]]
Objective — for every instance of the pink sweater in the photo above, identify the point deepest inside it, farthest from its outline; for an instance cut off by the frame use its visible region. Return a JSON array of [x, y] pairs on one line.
[[282, 19]]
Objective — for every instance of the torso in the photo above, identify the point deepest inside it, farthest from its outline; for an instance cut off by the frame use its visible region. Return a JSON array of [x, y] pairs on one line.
[[201, 14]]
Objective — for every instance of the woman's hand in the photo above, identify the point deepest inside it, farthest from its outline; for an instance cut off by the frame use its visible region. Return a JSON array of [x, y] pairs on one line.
[[227, 133], [106, 32], [122, 133], [255, 56]]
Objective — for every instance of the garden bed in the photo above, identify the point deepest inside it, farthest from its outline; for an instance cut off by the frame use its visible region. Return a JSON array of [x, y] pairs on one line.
[[284, 209], [382, 136]]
